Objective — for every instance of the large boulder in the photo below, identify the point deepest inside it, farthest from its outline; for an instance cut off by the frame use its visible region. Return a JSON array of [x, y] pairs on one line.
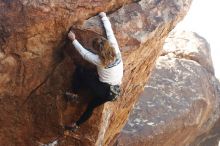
[[35, 71], [211, 137], [189, 46], [181, 101]]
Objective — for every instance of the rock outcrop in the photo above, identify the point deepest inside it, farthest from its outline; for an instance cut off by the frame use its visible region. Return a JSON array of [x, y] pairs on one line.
[[181, 101], [211, 137], [35, 71]]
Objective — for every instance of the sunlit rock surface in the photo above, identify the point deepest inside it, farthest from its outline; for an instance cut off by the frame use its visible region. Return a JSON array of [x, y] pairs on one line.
[[181, 100]]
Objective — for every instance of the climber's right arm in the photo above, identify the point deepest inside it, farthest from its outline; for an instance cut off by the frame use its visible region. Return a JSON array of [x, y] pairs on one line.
[[87, 55]]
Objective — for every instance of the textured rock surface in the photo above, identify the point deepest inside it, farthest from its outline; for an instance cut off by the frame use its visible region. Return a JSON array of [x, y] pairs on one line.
[[181, 100], [212, 137], [191, 47], [34, 71]]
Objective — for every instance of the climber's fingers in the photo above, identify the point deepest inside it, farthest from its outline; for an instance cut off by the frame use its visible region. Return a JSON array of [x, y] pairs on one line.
[[71, 35], [102, 14]]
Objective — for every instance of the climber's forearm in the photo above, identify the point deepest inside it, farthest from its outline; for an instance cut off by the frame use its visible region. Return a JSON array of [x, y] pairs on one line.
[[87, 55], [82, 51], [110, 33], [107, 26]]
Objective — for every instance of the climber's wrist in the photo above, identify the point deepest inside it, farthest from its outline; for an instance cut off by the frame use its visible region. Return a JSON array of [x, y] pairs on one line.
[[73, 41], [102, 14]]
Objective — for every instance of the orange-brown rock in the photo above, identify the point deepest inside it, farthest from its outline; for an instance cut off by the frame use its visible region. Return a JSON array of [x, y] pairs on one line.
[[35, 71], [181, 101]]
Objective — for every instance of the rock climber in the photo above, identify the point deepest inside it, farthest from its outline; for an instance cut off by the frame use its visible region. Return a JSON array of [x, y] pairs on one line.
[[106, 85]]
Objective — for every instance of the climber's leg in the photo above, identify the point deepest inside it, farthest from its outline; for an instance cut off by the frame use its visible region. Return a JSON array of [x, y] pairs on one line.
[[89, 110], [91, 82], [71, 95], [100, 91], [76, 80], [86, 115], [82, 77]]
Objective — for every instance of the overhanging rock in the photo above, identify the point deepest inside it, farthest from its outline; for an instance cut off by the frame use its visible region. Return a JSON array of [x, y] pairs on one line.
[[35, 73]]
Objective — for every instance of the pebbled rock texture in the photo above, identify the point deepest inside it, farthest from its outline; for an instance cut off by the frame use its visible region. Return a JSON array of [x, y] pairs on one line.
[[181, 100], [36, 65]]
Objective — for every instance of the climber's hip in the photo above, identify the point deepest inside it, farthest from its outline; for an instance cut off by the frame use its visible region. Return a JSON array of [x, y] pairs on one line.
[[90, 80]]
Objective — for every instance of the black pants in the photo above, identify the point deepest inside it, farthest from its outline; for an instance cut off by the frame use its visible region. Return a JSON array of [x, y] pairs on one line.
[[84, 78]]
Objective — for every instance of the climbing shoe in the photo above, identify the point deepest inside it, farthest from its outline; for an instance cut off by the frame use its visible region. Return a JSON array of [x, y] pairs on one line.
[[73, 127], [70, 97]]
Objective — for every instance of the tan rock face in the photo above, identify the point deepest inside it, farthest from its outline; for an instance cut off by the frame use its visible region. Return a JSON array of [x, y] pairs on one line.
[[35, 67], [181, 100]]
